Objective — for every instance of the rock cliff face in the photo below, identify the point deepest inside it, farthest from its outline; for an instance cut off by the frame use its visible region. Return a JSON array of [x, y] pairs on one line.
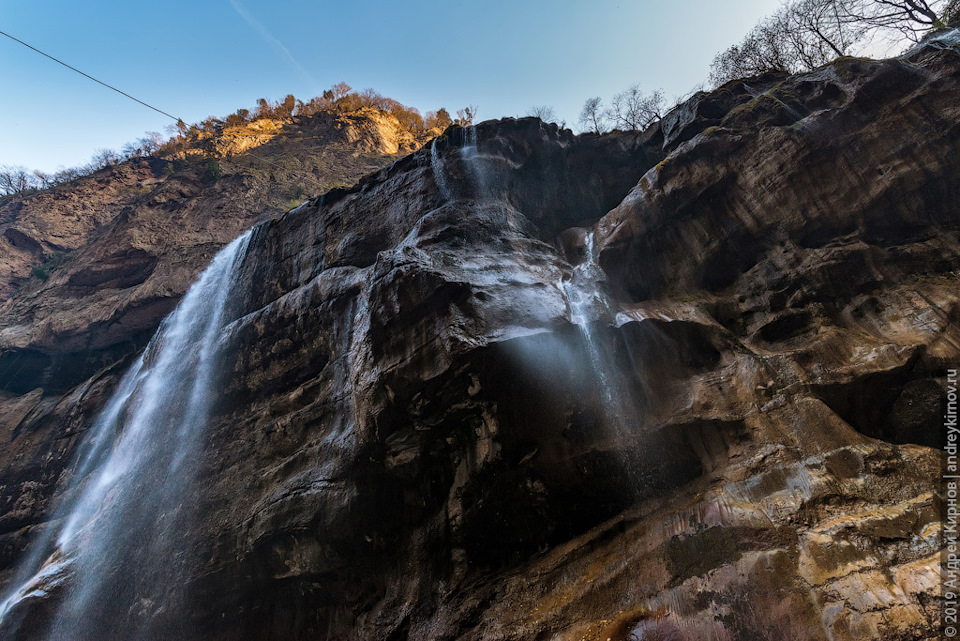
[[120, 247], [424, 433], [117, 249]]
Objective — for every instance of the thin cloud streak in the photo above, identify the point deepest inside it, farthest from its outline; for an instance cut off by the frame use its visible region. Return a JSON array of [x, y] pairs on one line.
[[272, 40]]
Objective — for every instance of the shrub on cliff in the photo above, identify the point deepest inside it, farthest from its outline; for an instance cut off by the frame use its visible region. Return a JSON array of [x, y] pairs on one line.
[[591, 116], [213, 171], [14, 180], [634, 110], [439, 119], [804, 34], [629, 110]]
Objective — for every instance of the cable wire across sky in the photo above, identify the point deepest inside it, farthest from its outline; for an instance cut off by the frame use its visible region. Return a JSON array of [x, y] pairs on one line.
[[149, 106], [86, 75]]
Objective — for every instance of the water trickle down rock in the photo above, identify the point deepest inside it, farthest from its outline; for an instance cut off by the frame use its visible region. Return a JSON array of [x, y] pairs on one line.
[[436, 164]]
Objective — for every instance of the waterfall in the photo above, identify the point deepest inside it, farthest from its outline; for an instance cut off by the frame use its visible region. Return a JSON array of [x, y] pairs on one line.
[[115, 544], [470, 155], [436, 163], [588, 303], [478, 182]]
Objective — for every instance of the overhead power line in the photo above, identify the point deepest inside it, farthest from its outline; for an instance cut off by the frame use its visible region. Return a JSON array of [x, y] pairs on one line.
[[149, 106], [122, 93]]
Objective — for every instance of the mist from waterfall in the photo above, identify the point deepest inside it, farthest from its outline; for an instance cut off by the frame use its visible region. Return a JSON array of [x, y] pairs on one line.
[[475, 181], [470, 154], [114, 544], [439, 176], [467, 174], [587, 305]]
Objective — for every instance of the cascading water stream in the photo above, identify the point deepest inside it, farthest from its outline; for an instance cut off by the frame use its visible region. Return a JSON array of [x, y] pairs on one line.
[[116, 544], [479, 181], [477, 184], [439, 176], [470, 154], [588, 303]]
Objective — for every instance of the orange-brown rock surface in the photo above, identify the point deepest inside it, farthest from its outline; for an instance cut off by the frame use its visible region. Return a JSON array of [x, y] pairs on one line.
[[419, 436]]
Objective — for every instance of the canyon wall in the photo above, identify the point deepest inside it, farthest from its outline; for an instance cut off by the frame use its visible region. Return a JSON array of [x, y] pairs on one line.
[[418, 435]]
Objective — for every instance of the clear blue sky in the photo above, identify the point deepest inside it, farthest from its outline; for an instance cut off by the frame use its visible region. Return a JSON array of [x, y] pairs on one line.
[[196, 59]]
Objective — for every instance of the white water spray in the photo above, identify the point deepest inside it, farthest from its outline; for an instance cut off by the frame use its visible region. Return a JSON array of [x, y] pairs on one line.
[[118, 525], [588, 304], [470, 155], [478, 184]]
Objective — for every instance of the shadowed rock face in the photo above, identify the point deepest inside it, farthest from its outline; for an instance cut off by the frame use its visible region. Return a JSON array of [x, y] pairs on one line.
[[414, 440]]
